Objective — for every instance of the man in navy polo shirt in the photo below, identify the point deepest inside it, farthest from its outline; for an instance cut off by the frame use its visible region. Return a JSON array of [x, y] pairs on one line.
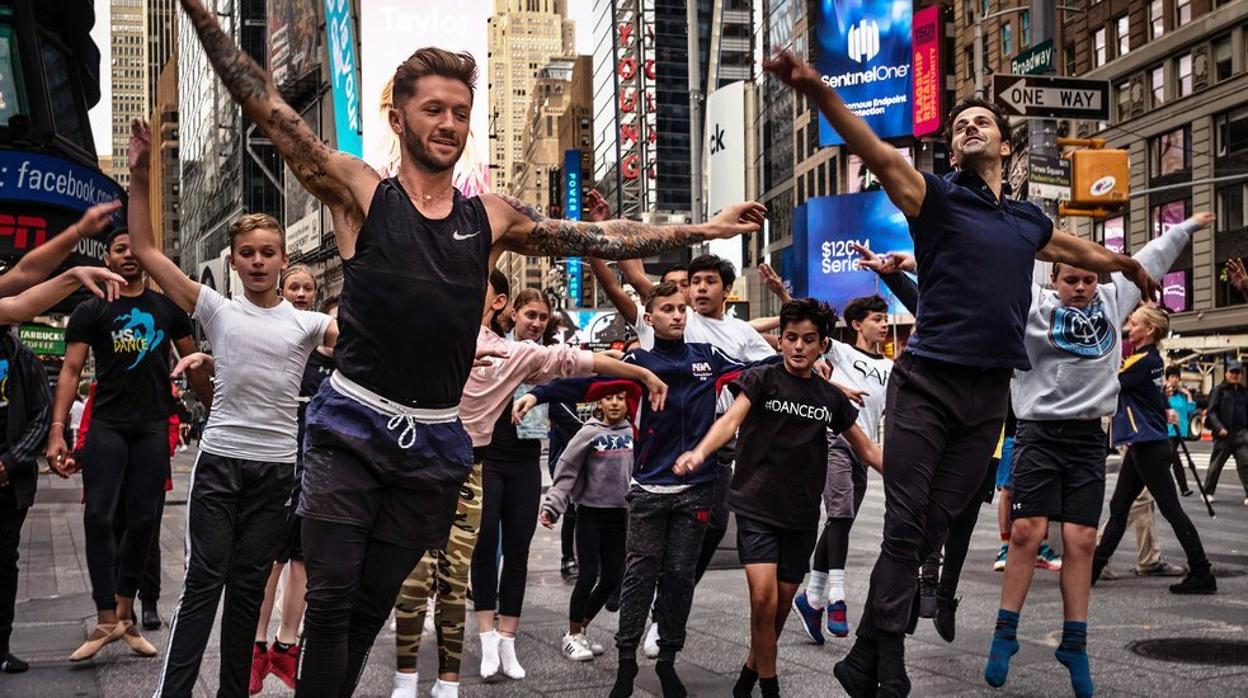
[[947, 394]]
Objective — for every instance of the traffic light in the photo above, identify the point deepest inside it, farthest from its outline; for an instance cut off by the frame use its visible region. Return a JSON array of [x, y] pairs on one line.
[[1100, 179]]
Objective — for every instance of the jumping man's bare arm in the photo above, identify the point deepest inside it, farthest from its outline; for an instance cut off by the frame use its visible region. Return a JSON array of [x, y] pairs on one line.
[[521, 228], [341, 181]]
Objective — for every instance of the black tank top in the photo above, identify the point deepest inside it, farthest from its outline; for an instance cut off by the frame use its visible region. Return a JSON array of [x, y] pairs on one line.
[[412, 297]]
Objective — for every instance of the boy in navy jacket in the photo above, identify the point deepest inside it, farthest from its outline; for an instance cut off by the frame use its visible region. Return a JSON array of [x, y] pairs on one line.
[[668, 512]]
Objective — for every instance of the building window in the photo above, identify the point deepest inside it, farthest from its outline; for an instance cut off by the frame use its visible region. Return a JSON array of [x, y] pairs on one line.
[[1070, 59], [1124, 35], [1157, 80], [968, 12], [1124, 100], [1156, 19], [1185, 75], [1111, 233], [1182, 12], [1007, 40], [1231, 132], [1230, 240], [1222, 67], [1176, 283], [1098, 48], [1026, 22], [1171, 153]]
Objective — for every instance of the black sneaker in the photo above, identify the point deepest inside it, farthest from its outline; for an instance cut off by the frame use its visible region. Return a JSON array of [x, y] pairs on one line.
[[1196, 583], [151, 618], [857, 672], [568, 570], [927, 592], [946, 617], [12, 665]]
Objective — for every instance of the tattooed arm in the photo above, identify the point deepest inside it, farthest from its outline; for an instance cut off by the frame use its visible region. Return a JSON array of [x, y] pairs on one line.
[[341, 181], [518, 227]]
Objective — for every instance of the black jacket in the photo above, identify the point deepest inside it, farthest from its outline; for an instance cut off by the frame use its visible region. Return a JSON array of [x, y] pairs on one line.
[[30, 413], [1220, 413]]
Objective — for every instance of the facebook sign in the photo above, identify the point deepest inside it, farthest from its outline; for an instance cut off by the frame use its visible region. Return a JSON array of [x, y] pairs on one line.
[[572, 212], [864, 54]]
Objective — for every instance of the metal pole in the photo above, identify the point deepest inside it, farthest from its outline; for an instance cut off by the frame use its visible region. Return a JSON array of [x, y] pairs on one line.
[[1042, 135], [695, 113], [979, 57]]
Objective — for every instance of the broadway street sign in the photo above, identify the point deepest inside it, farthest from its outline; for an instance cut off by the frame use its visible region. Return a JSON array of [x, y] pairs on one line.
[[1051, 97]]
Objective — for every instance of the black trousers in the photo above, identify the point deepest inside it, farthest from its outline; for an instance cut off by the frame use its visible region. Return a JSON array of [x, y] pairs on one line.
[[235, 519], [1223, 449], [11, 519], [353, 580], [600, 536], [149, 582], [1147, 465], [661, 551], [510, 495], [944, 421], [122, 458]]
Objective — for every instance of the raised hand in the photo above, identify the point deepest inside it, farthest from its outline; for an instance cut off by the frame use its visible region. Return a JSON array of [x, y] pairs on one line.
[[773, 282], [790, 69], [96, 219], [100, 281], [1204, 218], [736, 219], [595, 207], [140, 146], [1239, 276]]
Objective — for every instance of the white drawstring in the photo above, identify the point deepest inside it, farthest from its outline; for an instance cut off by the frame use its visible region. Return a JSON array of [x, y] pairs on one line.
[[407, 438]]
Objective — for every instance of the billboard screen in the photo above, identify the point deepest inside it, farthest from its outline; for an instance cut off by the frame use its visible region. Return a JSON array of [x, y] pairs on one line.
[[292, 34], [830, 266], [864, 53], [929, 75], [344, 76]]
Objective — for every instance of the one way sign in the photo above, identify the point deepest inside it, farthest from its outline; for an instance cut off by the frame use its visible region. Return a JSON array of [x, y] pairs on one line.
[[1056, 98]]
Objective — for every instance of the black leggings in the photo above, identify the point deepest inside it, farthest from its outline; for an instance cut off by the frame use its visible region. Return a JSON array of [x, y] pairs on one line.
[[353, 581], [600, 552], [510, 495], [149, 583], [129, 458], [1146, 465]]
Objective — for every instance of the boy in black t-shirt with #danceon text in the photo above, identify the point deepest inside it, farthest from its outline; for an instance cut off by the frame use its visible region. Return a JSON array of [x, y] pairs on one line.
[[776, 492]]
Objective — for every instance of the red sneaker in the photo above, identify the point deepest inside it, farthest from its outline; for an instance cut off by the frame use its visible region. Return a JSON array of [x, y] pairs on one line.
[[259, 669], [285, 664]]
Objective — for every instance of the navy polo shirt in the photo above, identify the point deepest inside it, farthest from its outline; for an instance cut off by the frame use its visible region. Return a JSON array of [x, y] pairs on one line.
[[975, 256]]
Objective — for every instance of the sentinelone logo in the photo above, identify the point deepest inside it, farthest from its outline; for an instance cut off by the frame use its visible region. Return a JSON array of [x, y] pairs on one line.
[[864, 41], [863, 45]]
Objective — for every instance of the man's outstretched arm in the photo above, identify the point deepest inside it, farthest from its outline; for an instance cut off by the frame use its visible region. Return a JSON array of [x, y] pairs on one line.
[[39, 263], [341, 181], [904, 185], [521, 228], [1085, 254]]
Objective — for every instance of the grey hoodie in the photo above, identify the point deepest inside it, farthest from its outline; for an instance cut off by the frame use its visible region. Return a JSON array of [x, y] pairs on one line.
[[594, 469], [1075, 354]]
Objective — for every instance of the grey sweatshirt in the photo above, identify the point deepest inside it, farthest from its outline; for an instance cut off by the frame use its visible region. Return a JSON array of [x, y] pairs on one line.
[[1075, 353], [594, 469]]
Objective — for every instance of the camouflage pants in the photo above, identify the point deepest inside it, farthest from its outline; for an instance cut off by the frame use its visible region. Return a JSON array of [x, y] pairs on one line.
[[448, 569]]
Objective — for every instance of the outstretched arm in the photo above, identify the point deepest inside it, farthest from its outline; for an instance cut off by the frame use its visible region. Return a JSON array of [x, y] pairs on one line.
[[720, 433], [341, 181], [177, 285], [611, 286], [1085, 254], [1157, 257], [36, 265], [29, 303], [521, 228], [904, 185]]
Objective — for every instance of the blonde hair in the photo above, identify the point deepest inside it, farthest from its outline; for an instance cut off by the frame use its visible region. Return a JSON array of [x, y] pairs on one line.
[[1157, 317], [256, 221], [298, 269]]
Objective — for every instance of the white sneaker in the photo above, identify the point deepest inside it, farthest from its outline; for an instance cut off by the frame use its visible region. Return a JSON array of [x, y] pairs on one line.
[[445, 689], [574, 648], [489, 654], [404, 685], [507, 658], [590, 645], [651, 645]]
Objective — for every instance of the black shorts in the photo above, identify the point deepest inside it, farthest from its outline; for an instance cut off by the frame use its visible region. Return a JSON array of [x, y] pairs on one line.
[[759, 542], [396, 477], [1059, 471]]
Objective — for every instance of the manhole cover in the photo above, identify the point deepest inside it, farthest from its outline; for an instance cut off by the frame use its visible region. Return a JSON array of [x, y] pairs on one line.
[[1192, 650]]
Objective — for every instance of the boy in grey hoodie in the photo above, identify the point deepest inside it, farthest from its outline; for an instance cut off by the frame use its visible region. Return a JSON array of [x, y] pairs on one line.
[[593, 473], [1074, 345]]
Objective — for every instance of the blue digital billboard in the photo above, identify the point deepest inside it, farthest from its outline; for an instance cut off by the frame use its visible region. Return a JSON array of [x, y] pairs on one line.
[[864, 53], [344, 76], [572, 212], [825, 266]]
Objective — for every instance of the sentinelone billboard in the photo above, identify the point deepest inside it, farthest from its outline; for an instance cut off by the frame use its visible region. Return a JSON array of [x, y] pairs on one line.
[[821, 262], [864, 53]]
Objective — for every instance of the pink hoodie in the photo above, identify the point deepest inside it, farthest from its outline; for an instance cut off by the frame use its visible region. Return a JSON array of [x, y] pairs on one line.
[[489, 388]]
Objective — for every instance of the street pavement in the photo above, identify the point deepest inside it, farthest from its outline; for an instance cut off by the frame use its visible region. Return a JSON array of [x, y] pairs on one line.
[[55, 612]]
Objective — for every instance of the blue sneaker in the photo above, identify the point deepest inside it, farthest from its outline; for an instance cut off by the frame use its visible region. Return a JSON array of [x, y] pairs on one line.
[[1048, 559], [838, 622], [812, 619]]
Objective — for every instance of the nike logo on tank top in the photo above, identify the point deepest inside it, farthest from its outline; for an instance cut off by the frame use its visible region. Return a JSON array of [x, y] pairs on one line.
[[411, 300]]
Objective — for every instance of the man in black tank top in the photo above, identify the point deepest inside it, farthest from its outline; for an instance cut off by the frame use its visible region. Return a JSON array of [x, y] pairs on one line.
[[385, 452]]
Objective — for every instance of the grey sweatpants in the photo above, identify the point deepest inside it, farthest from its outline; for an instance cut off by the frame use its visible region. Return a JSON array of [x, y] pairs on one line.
[[664, 537]]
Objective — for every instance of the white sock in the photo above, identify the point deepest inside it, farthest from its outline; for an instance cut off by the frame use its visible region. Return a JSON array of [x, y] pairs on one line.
[[445, 689], [817, 588], [507, 658], [489, 654], [404, 685], [836, 585]]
